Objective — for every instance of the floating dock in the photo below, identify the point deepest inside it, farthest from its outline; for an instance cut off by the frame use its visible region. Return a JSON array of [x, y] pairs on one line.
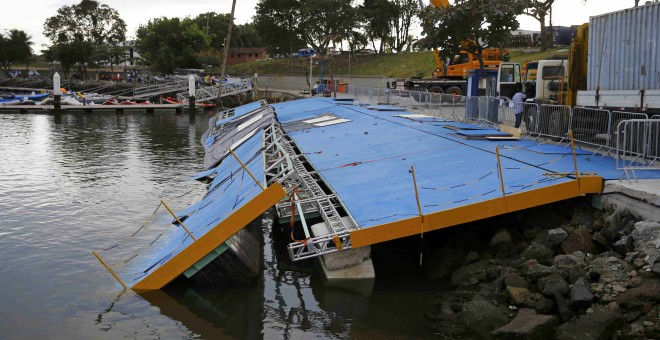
[[370, 173]]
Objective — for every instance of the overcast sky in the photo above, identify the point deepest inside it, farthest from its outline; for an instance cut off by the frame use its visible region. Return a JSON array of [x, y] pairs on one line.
[[29, 15]]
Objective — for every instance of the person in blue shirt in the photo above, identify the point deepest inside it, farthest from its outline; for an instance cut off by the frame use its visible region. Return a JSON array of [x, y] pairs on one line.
[[519, 104]]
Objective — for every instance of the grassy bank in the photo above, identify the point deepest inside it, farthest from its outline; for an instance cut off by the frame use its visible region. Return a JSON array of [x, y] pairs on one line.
[[400, 65]]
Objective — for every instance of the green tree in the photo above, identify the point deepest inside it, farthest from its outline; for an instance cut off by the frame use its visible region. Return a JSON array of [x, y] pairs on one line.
[[473, 25], [16, 47], [84, 25], [407, 11], [166, 44], [286, 25], [379, 17], [276, 22], [214, 26], [324, 21], [246, 35], [539, 10]]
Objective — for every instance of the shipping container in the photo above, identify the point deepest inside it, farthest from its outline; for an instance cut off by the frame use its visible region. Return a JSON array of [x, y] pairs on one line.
[[624, 49], [622, 63]]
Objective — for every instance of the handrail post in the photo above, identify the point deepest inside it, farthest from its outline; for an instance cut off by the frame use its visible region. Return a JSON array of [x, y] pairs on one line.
[[178, 220], [499, 169], [419, 210], [246, 169], [570, 135], [109, 269]]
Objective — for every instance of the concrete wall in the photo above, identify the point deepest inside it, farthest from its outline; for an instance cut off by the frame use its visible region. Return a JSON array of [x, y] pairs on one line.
[[298, 83]]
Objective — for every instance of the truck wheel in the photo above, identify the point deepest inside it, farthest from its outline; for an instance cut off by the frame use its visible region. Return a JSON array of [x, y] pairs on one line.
[[530, 119], [436, 89], [455, 91], [551, 123]]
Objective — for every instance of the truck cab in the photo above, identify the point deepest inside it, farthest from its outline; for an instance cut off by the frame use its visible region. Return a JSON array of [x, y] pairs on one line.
[[548, 84]]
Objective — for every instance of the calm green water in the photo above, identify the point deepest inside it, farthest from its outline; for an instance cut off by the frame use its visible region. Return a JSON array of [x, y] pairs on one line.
[[82, 182]]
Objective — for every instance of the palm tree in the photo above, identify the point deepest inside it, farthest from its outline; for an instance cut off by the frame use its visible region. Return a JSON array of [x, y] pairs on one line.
[[21, 46]]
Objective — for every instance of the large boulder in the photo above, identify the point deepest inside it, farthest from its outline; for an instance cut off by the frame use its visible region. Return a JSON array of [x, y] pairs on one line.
[[554, 282], [537, 251], [599, 325], [552, 238], [578, 240], [482, 318], [528, 325]]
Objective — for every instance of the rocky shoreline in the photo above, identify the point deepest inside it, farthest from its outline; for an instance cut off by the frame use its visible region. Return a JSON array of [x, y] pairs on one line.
[[559, 272]]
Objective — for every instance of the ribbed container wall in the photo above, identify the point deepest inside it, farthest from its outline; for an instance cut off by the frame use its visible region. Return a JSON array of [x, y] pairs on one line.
[[624, 50]]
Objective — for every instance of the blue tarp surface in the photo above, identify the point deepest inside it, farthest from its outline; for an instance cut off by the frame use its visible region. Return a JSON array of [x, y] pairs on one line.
[[367, 162], [230, 190]]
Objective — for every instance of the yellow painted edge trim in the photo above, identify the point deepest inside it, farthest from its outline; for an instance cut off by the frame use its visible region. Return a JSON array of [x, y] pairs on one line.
[[169, 270], [477, 211]]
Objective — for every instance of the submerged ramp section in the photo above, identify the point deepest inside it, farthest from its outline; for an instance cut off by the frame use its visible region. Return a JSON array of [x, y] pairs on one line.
[[236, 196]]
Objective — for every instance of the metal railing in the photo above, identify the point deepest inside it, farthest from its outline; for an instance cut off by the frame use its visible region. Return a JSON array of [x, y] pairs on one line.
[[638, 145], [208, 93], [591, 127], [153, 90]]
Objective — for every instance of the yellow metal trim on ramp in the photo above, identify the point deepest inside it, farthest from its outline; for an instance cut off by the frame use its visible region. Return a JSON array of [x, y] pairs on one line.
[[478, 211], [169, 270]]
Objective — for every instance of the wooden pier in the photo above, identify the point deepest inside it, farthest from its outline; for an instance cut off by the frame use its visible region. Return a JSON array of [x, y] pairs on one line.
[[89, 109]]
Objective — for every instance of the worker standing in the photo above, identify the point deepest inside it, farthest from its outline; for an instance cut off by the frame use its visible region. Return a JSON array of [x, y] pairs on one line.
[[519, 104]]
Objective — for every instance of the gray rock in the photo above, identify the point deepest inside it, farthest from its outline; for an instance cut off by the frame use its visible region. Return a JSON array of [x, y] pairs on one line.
[[624, 245], [599, 325], [602, 241], [551, 238], [645, 229], [471, 257], [567, 262], [472, 273], [581, 296], [482, 318], [553, 283], [537, 251], [656, 268], [515, 280], [538, 271], [544, 305], [501, 237], [575, 273], [528, 325]]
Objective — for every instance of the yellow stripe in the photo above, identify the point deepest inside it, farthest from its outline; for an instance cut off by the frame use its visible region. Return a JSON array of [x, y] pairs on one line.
[[477, 211], [169, 270]]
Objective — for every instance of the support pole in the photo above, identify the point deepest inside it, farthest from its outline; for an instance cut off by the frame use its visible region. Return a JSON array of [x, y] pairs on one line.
[[109, 269], [178, 220], [224, 55], [246, 169], [577, 173], [419, 210], [499, 169]]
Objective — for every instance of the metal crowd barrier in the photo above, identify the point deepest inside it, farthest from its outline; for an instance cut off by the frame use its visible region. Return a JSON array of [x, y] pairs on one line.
[[637, 145], [554, 121], [591, 126], [594, 127]]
